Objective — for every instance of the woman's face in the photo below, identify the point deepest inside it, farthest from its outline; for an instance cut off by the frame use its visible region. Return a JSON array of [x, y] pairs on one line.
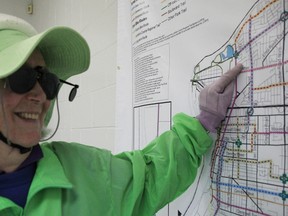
[[22, 115]]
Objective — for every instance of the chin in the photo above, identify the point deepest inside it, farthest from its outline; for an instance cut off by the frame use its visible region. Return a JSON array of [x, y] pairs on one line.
[[29, 140], [29, 143]]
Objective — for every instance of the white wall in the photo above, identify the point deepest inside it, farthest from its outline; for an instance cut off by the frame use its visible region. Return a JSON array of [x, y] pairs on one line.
[[90, 118], [14, 7]]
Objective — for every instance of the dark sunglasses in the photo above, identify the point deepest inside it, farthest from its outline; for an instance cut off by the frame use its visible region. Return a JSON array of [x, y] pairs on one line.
[[25, 78]]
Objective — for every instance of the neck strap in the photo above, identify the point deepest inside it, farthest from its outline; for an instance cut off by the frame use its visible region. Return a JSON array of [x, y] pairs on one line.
[[22, 149]]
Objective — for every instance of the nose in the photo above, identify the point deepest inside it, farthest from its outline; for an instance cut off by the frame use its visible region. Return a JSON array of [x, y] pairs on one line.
[[37, 94]]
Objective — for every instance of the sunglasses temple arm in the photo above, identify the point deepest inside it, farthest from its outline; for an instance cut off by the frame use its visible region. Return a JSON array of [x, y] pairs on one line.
[[68, 83]]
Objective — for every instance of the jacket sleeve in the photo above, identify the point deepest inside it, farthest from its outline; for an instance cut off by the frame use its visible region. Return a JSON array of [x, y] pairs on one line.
[[146, 180]]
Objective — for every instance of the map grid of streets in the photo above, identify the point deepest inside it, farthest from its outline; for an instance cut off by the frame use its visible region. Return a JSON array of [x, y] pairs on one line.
[[250, 161]]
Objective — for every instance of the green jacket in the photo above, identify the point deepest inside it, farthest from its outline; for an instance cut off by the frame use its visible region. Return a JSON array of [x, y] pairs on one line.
[[73, 179]]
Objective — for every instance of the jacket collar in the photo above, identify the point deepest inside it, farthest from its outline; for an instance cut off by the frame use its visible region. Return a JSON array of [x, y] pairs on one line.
[[49, 174]]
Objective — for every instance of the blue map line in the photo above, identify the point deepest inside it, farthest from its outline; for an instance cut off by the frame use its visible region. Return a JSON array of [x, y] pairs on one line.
[[247, 188]]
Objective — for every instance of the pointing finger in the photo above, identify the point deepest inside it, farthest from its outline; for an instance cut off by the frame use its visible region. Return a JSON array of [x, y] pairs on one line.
[[227, 78]]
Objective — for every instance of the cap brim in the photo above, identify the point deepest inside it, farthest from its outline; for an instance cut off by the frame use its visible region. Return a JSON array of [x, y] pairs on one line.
[[65, 52]]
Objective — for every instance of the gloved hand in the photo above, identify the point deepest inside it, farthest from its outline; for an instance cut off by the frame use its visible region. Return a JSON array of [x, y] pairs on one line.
[[215, 98]]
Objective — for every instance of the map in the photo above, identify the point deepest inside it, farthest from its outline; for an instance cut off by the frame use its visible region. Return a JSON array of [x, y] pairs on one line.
[[249, 165]]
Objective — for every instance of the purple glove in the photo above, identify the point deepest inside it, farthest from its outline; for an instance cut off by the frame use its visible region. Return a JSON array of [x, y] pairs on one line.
[[215, 98]]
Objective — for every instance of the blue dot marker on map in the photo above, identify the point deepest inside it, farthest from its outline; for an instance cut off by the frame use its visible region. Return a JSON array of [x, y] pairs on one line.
[[284, 16], [250, 111]]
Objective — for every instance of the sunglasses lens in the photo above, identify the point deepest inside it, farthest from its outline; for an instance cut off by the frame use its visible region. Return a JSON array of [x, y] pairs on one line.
[[25, 78], [73, 93], [22, 80], [50, 84]]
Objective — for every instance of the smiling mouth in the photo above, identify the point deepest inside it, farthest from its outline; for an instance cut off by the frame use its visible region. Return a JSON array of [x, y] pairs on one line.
[[28, 116]]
